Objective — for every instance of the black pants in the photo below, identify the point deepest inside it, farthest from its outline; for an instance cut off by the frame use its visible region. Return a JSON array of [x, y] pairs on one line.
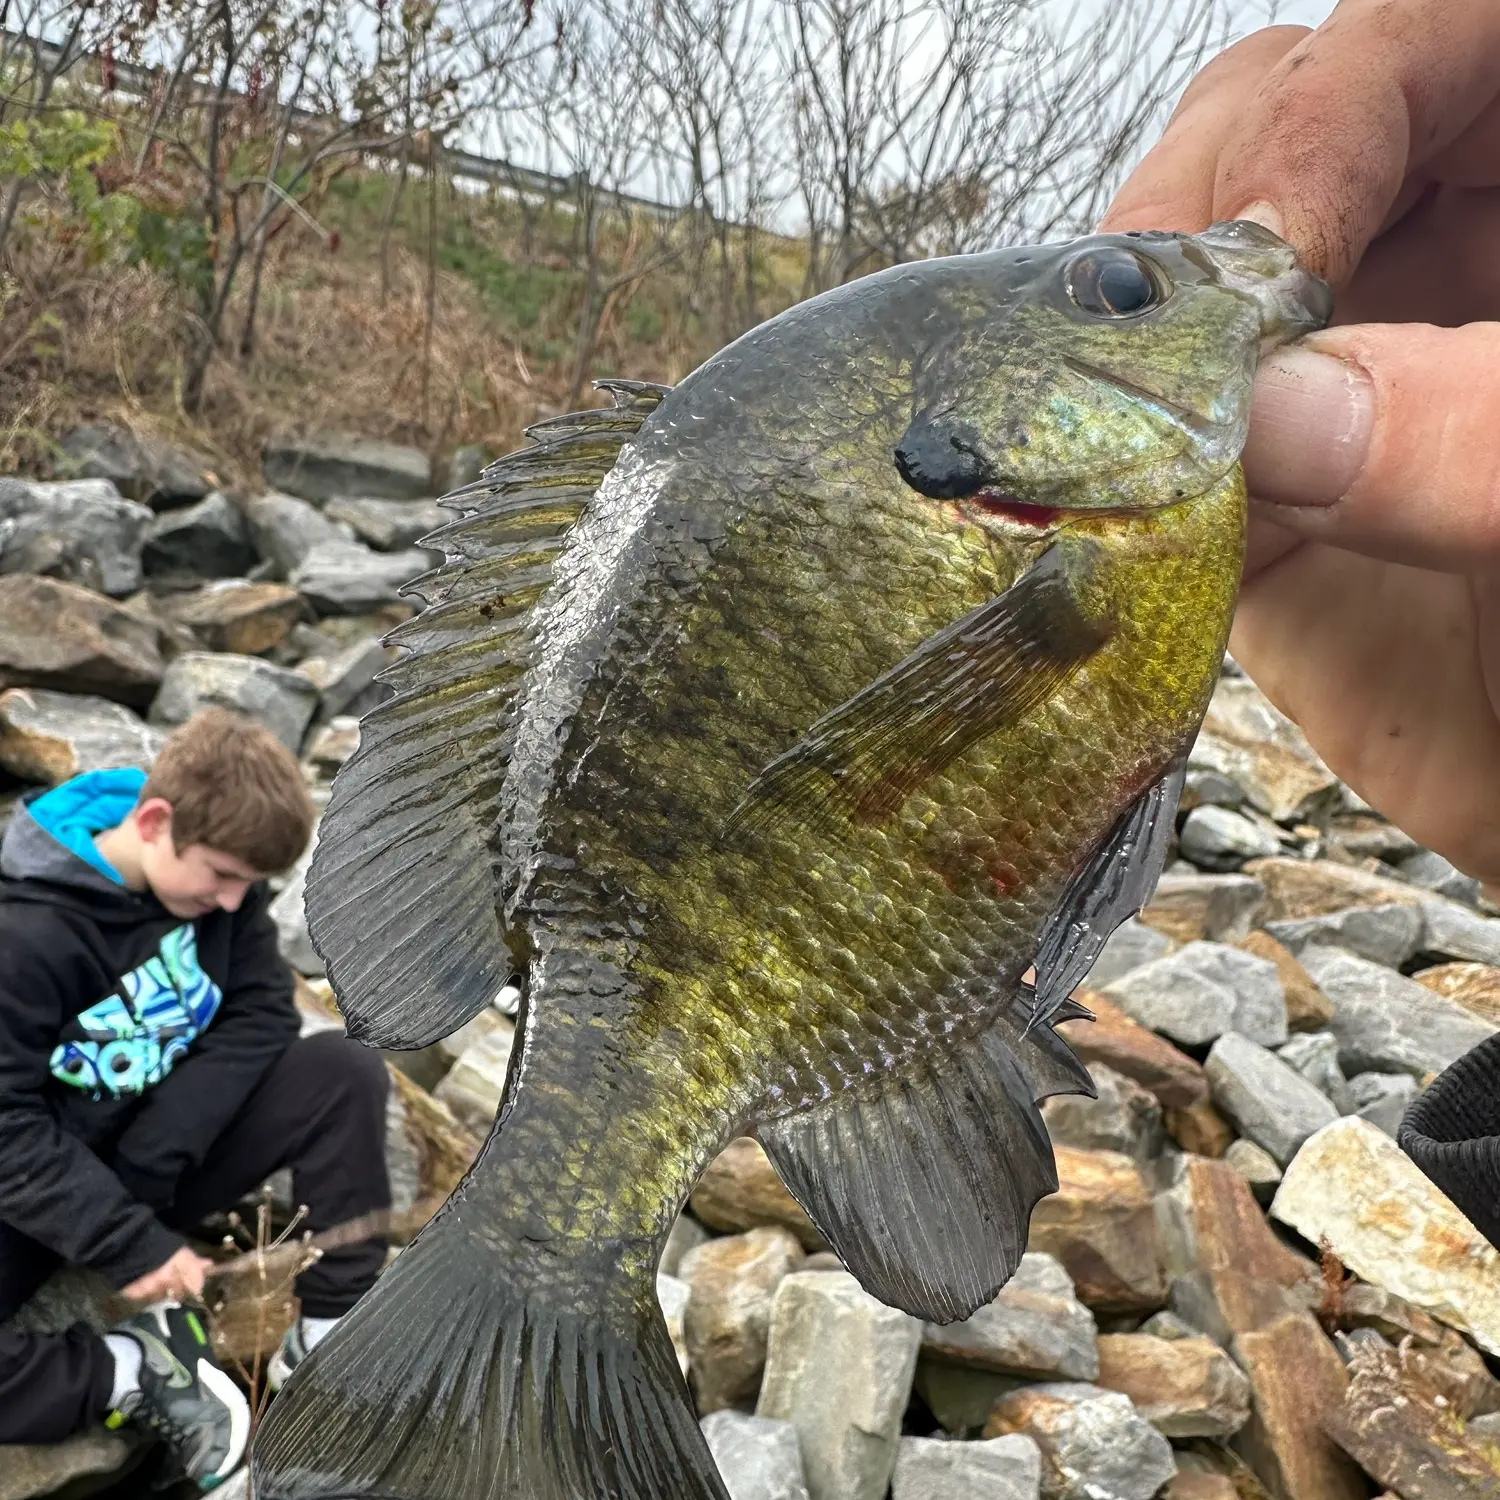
[[321, 1112]]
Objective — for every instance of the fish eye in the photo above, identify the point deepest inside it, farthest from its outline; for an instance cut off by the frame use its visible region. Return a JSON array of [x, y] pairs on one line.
[[1115, 283]]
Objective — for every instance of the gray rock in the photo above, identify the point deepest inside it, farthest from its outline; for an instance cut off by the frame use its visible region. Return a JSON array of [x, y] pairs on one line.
[[1381, 1098], [403, 1158], [34, 1469], [331, 744], [1270, 1102], [1203, 990], [1430, 870], [1123, 1117], [285, 529], [388, 524], [82, 531], [1167, 1325], [1315, 1055], [290, 916], [673, 1296], [349, 579], [1386, 935], [1486, 1426], [839, 1367], [758, 1458], [50, 737], [1221, 840], [1036, 1326], [467, 464], [342, 677], [1257, 1166], [208, 540], [687, 1234], [1129, 946], [472, 1089], [326, 465], [1203, 787], [1456, 931], [1228, 905], [1387, 1023], [1003, 1468], [144, 468], [282, 700]]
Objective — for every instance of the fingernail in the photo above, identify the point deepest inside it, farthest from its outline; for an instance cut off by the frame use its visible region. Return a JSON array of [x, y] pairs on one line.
[[1267, 215], [1310, 419]]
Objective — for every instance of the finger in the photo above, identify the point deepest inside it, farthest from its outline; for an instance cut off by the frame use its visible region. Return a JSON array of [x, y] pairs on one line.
[[1173, 187], [1382, 439], [1342, 117]]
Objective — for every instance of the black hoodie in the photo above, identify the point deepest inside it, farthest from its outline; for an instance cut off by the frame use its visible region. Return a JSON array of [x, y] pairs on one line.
[[129, 1038]]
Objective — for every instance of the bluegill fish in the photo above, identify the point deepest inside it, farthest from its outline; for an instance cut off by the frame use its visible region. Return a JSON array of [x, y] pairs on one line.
[[775, 725]]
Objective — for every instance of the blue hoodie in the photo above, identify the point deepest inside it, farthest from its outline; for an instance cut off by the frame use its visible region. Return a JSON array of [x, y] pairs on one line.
[[78, 809]]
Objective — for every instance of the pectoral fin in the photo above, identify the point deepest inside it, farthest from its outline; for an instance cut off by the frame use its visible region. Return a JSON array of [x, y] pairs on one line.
[[985, 671]]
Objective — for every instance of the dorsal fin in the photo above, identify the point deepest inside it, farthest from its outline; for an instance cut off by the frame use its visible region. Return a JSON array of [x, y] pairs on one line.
[[401, 896]]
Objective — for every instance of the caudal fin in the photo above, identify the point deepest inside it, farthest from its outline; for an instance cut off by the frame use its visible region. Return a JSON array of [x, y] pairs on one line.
[[460, 1378]]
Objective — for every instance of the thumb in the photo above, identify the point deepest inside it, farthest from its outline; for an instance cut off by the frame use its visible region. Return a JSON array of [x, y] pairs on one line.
[[1383, 438]]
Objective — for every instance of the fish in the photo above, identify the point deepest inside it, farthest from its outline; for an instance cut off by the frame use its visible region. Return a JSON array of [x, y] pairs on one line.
[[801, 732]]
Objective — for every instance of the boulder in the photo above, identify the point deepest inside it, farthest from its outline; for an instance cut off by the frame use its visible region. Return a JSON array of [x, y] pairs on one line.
[[57, 635], [741, 1190], [285, 529], [348, 578], [1220, 839], [50, 737], [281, 700], [1315, 1055], [1204, 990], [1191, 907], [1270, 1102], [1035, 1327], [1115, 1040], [208, 540], [389, 524], [1387, 934], [1432, 872], [81, 531], [236, 616], [1184, 1387], [1002, 1468], [839, 1368], [346, 674], [1299, 888], [1200, 1129], [1122, 1117], [1382, 1098], [1475, 987], [1307, 1008], [1257, 1166], [1353, 1185], [1266, 777], [472, 1089], [147, 469], [758, 1458], [1456, 931], [686, 1234], [1129, 946], [325, 465]]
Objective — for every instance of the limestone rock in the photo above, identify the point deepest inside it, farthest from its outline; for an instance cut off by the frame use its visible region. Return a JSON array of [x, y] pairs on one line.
[[1352, 1184], [732, 1283], [325, 465], [208, 540], [57, 635], [1183, 1387], [1129, 946], [146, 468], [839, 1367], [1035, 1327], [1123, 1044], [1386, 1023], [673, 1296], [1204, 990], [1002, 1468], [244, 618], [1307, 1008], [389, 524], [1191, 908], [1200, 1129], [758, 1458], [472, 1089], [34, 1469], [741, 1190], [81, 531], [349, 578], [1257, 1166], [50, 737], [1101, 1226], [1094, 1444], [1475, 987], [285, 529], [1270, 1102], [1315, 1055], [1221, 840], [1123, 1117], [1387, 934], [281, 700]]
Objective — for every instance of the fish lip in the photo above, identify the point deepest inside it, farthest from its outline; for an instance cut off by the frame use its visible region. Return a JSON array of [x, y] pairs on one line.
[[1249, 260]]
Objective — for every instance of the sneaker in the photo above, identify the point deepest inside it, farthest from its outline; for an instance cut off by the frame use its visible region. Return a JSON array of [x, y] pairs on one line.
[[292, 1352], [183, 1394]]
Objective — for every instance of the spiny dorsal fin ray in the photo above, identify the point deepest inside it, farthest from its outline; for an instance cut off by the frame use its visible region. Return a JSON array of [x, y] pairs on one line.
[[401, 897]]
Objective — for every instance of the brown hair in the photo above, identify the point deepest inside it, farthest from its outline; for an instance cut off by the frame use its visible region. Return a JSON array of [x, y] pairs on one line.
[[234, 787]]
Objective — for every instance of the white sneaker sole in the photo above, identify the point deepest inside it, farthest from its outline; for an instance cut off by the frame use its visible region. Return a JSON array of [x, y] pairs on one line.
[[215, 1380]]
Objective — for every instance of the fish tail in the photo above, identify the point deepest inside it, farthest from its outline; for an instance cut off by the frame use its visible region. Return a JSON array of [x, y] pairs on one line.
[[485, 1367]]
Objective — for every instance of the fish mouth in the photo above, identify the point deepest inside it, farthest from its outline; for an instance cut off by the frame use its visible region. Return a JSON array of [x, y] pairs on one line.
[[1248, 259]]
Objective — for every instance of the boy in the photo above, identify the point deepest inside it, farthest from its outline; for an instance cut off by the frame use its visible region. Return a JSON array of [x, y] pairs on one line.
[[151, 1073]]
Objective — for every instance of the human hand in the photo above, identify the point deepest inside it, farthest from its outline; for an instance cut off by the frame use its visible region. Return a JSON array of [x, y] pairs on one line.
[[1370, 611], [180, 1278]]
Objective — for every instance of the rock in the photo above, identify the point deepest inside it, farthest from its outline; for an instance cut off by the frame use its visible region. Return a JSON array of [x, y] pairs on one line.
[[236, 616], [1299, 888], [1386, 935], [1167, 1325], [1456, 931], [673, 1295], [1272, 781], [325, 465], [333, 744], [741, 1190], [290, 916], [472, 1089], [1270, 1102], [1035, 1327], [1189, 908], [1129, 946], [1221, 840], [1431, 871], [1486, 1426], [1381, 1098], [1257, 1166], [57, 635], [687, 1234], [1475, 987], [1315, 1055], [758, 1458], [1113, 1039], [50, 737], [443, 1148], [1297, 1383], [28, 1469], [1283, 775], [1204, 990], [1002, 1468], [1188, 1484], [839, 1367], [732, 1282], [961, 1397], [1353, 1185], [389, 524], [1307, 1007], [81, 532], [1200, 1129], [1101, 1226], [1386, 1023], [208, 540], [145, 468], [348, 578], [1094, 1444], [1183, 1387], [467, 464], [281, 700], [285, 529], [1124, 1117], [342, 677]]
